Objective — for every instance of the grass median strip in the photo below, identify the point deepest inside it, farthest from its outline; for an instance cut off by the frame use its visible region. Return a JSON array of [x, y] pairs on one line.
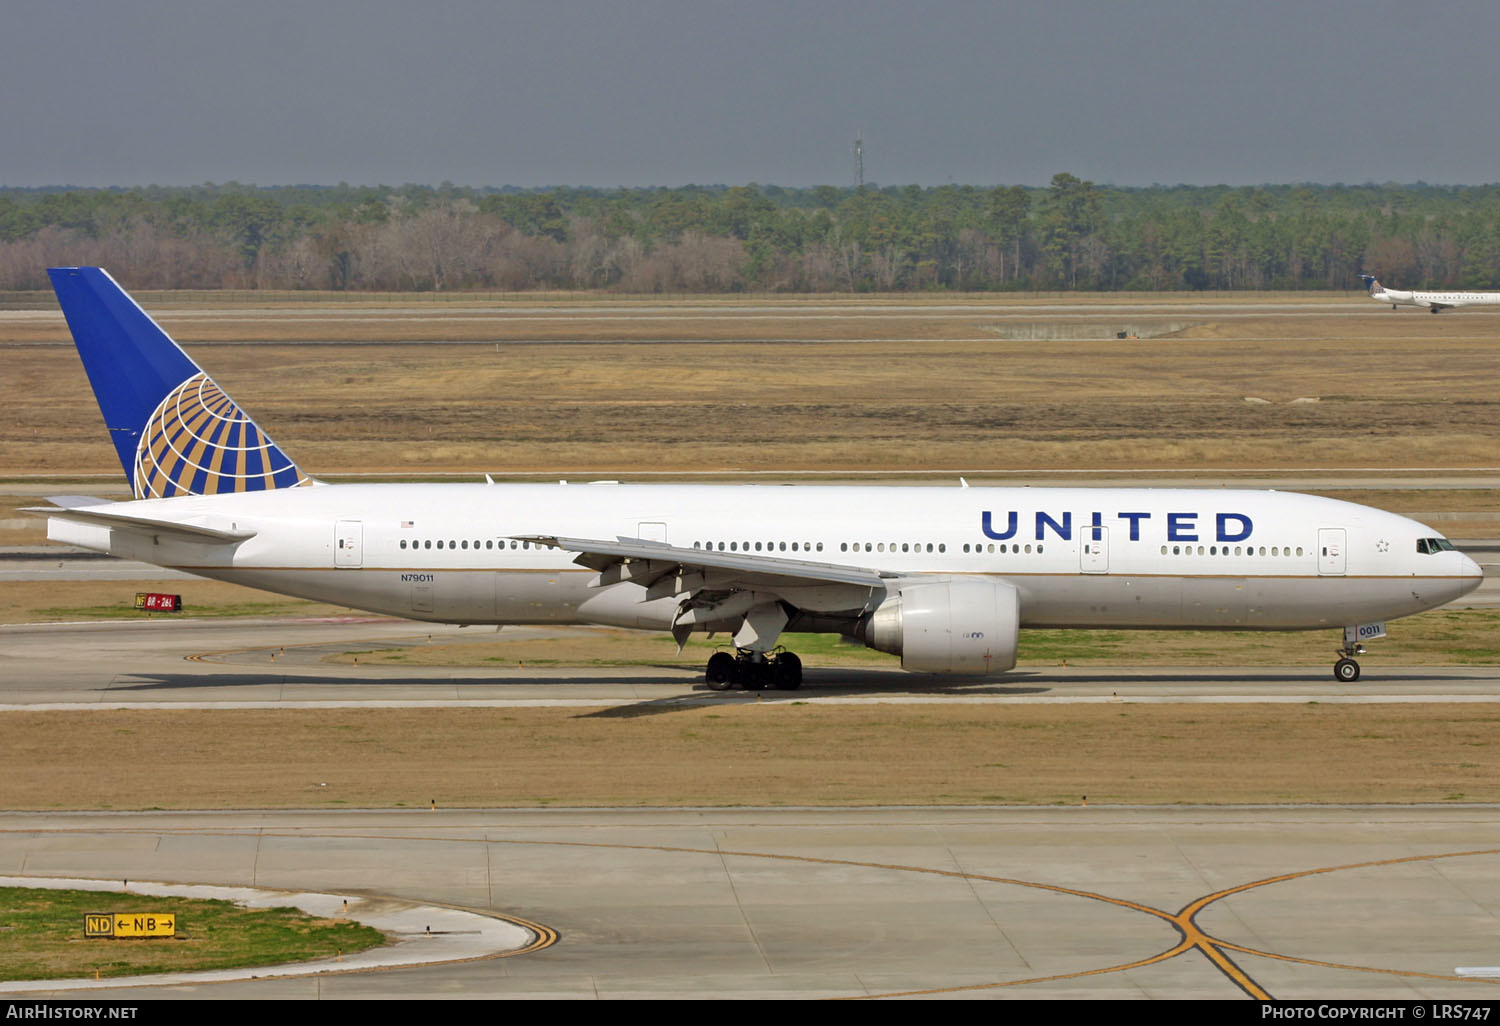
[[43, 936]]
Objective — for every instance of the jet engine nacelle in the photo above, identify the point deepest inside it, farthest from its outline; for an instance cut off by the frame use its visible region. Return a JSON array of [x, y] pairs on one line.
[[948, 625]]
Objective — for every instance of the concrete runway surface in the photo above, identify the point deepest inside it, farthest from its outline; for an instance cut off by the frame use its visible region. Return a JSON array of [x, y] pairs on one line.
[[165, 662]]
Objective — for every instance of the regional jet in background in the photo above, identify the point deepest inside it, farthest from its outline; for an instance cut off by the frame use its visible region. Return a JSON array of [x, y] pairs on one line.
[[1433, 301], [943, 577]]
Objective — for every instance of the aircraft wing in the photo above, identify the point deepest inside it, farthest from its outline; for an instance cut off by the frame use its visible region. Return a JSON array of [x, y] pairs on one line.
[[68, 508], [747, 594], [648, 562], [714, 585]]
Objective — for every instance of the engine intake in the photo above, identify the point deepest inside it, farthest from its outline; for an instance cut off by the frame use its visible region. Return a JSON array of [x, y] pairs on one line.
[[950, 625]]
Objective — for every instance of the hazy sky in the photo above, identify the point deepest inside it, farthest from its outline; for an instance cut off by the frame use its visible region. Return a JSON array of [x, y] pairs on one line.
[[671, 92]]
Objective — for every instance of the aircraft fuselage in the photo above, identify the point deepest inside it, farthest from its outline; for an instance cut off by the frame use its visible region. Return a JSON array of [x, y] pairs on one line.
[[1078, 557]]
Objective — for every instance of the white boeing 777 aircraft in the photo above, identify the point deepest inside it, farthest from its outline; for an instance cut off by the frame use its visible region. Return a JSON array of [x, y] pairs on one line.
[[1433, 301], [943, 577]]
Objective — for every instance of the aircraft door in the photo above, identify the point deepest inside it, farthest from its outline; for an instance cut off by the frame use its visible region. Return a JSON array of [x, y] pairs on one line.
[[652, 531], [348, 543], [1093, 554], [1331, 551]]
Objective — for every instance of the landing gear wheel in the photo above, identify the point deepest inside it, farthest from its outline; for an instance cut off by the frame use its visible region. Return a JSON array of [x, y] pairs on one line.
[[788, 669], [1346, 671], [721, 671]]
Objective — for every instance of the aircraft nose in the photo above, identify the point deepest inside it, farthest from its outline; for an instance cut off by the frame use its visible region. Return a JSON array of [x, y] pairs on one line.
[[1470, 574]]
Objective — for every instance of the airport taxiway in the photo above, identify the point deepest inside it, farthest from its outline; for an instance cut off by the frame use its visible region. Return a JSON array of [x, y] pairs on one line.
[[1220, 903]]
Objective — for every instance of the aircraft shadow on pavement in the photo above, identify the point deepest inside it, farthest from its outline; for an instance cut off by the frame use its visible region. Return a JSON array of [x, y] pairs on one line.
[[836, 682], [189, 681]]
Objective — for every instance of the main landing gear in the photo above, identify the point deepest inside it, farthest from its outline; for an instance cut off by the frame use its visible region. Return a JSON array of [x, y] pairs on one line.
[[754, 671]]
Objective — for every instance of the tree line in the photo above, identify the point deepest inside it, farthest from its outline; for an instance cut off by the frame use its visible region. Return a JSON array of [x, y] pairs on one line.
[[1070, 235]]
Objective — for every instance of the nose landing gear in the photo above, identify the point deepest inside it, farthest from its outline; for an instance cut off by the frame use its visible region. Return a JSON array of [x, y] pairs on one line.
[[1346, 670]]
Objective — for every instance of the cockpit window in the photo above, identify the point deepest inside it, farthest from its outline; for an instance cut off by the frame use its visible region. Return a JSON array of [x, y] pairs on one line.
[[1428, 546]]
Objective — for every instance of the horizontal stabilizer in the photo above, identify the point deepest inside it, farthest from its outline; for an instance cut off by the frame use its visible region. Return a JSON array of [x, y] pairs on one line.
[[156, 526], [77, 501]]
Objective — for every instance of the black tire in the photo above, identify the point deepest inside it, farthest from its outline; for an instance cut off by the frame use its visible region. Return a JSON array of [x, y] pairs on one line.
[[1346, 671], [721, 672], [754, 676], [788, 671]]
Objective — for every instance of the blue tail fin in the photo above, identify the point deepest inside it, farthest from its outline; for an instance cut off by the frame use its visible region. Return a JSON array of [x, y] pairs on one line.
[[176, 432]]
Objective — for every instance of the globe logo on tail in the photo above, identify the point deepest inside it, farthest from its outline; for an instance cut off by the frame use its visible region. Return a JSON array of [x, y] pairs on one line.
[[198, 442]]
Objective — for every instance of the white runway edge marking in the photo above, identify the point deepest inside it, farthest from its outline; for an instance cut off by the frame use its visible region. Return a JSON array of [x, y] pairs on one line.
[[1477, 970], [456, 935]]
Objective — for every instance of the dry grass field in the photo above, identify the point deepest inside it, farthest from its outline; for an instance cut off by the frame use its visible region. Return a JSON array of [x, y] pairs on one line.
[[765, 385], [530, 386], [773, 753]]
